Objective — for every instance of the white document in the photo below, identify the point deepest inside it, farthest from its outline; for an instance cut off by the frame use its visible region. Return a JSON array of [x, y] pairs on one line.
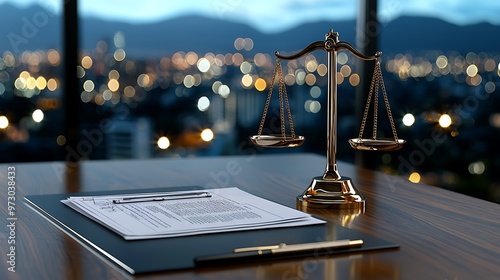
[[227, 209]]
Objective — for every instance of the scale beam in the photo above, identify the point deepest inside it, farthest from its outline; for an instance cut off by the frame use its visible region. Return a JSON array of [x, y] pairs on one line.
[[312, 47], [327, 45]]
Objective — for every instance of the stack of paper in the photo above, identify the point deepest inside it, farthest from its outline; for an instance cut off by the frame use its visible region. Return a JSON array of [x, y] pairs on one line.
[[158, 215]]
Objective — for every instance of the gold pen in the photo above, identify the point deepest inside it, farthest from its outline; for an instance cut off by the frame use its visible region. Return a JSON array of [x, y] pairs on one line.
[[255, 253], [284, 248]]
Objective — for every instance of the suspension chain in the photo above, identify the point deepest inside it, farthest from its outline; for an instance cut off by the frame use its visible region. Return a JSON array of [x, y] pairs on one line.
[[268, 100], [386, 100], [367, 106], [375, 102], [290, 121], [377, 80], [280, 95], [283, 97]]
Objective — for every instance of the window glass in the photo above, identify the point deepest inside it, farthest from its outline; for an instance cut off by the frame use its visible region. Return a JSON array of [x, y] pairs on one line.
[[443, 70], [190, 78], [30, 79]]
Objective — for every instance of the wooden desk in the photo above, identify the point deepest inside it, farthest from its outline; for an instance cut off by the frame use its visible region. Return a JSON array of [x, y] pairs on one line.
[[443, 235]]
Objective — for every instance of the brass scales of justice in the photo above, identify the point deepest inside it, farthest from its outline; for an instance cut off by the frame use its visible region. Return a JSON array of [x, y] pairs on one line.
[[331, 190]]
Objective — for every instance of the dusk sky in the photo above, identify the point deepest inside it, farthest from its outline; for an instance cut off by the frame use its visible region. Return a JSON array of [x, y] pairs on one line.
[[278, 15]]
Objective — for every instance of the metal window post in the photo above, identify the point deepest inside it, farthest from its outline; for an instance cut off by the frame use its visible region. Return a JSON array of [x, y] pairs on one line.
[[71, 105]]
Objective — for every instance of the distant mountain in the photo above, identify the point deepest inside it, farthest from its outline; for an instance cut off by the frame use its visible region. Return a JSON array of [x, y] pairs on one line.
[[37, 28], [28, 28], [426, 33], [200, 34]]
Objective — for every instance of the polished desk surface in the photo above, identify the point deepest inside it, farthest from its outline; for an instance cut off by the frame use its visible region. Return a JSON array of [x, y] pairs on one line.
[[442, 235]]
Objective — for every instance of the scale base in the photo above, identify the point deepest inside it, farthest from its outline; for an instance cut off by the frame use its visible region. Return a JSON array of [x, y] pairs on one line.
[[332, 194]]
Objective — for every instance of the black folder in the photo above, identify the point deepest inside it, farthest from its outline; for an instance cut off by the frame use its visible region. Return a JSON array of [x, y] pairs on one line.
[[161, 254]]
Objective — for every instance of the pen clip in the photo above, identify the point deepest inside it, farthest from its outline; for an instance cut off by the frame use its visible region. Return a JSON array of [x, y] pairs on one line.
[[258, 248]]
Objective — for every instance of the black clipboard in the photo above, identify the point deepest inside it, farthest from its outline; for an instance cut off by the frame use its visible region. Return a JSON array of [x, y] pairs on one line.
[[162, 254]]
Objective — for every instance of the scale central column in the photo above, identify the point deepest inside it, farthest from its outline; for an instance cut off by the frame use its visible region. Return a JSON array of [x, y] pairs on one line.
[[331, 171]]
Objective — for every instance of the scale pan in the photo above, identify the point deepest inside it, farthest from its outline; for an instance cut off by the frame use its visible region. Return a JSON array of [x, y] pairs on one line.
[[376, 144], [277, 141]]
